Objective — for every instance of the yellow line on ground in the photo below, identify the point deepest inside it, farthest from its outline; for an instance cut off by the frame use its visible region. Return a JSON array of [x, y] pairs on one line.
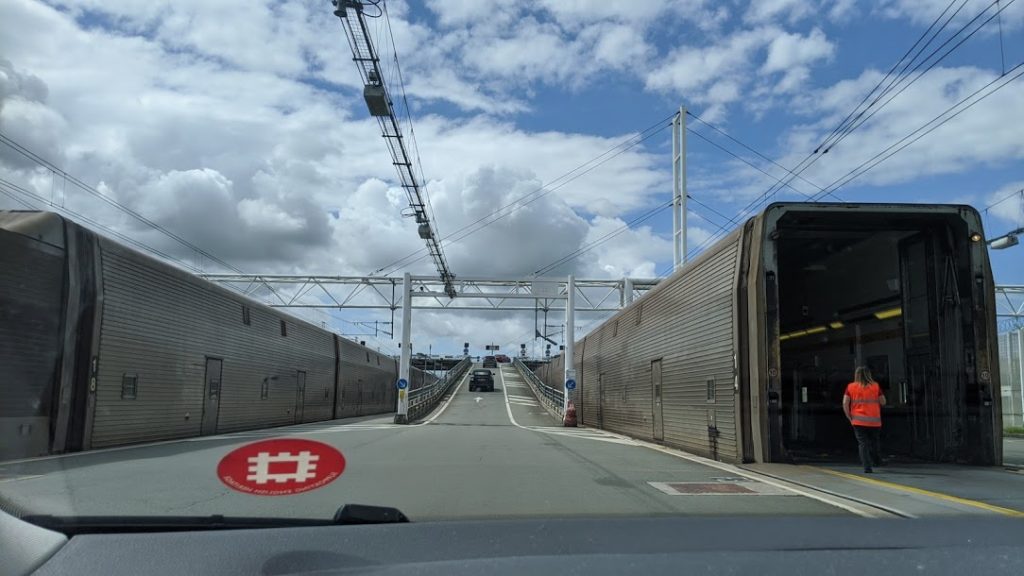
[[923, 492]]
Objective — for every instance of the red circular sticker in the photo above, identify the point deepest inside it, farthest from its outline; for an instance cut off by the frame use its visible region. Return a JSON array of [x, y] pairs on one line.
[[281, 467]]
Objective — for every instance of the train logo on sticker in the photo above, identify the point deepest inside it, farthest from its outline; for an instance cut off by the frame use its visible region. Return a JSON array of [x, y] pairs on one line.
[[281, 467]]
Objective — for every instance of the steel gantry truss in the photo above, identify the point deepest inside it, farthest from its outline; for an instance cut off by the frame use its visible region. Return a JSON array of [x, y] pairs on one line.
[[1010, 306], [378, 100], [385, 293]]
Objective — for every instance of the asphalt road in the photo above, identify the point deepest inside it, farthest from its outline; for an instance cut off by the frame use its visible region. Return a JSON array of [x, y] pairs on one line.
[[481, 455]]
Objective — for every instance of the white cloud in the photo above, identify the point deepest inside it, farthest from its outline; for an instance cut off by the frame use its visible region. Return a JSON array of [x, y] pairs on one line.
[[787, 51], [761, 11], [719, 74], [632, 252], [984, 135]]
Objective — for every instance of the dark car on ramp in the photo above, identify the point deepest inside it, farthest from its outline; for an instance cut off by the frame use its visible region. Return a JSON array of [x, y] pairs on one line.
[[490, 362], [481, 380]]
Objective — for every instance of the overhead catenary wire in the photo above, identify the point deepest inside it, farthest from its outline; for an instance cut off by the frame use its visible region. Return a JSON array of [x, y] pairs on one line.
[[112, 202], [881, 156], [928, 127], [749, 148], [903, 143], [590, 246], [95, 224], [896, 65], [857, 117], [536, 194], [867, 117], [408, 115]]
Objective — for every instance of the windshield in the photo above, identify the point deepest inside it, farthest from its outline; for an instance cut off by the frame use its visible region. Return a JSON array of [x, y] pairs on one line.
[[502, 260]]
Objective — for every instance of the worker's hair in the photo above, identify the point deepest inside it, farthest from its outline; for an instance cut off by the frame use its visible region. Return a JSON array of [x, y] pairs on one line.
[[862, 375]]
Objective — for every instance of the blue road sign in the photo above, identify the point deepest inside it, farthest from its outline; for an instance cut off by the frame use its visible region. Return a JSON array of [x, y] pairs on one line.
[[402, 384], [570, 384]]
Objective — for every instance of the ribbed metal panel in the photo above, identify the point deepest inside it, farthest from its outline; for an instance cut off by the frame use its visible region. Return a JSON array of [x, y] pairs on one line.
[[367, 381], [31, 308], [30, 319], [590, 378], [160, 324], [688, 323]]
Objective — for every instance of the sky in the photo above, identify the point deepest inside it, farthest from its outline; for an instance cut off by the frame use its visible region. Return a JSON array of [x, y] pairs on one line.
[[240, 127]]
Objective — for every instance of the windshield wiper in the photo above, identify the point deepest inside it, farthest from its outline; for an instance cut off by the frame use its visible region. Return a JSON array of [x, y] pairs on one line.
[[348, 514]]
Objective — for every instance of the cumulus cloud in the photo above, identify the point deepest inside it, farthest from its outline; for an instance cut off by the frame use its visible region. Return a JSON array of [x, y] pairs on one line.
[[767, 10], [26, 117], [718, 74], [984, 135]]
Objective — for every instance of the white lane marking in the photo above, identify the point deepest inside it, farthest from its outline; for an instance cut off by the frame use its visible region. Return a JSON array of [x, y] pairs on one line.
[[508, 407]]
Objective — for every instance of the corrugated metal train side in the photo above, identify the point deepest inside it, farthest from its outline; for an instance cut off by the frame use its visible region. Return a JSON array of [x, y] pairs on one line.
[[137, 350], [665, 367]]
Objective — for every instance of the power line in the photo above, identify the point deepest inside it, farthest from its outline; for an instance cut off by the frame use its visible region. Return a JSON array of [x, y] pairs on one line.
[[588, 247], [848, 126], [829, 142], [87, 188], [927, 128], [83, 218], [854, 126], [887, 75], [747, 162], [538, 193], [762, 156]]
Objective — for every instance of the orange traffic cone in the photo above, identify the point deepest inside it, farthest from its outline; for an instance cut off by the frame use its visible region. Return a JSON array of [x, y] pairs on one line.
[[569, 420]]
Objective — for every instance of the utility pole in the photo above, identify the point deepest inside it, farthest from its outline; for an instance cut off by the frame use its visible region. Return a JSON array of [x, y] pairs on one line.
[[570, 322], [679, 189], [402, 410]]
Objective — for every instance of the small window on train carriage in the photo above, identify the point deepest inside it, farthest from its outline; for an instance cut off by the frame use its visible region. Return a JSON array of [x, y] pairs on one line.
[[378, 359], [367, 357], [265, 389], [284, 328], [246, 318], [615, 329], [639, 313], [129, 386], [711, 390]]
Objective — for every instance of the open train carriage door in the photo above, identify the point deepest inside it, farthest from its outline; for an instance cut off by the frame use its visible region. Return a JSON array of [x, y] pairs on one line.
[[904, 289]]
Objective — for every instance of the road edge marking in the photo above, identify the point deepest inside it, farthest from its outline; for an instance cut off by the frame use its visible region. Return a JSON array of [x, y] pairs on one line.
[[929, 493], [508, 407]]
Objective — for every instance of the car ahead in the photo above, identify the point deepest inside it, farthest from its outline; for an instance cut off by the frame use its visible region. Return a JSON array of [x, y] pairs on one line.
[[481, 380], [502, 359], [490, 362]]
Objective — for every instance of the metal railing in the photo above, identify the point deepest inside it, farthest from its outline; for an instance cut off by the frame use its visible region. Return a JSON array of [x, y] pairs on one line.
[[552, 398], [423, 400]]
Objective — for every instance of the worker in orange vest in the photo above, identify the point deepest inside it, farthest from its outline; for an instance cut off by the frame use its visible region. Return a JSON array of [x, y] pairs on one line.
[[862, 405]]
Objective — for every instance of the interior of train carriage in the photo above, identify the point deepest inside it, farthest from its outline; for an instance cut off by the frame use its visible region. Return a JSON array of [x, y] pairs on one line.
[[892, 293]]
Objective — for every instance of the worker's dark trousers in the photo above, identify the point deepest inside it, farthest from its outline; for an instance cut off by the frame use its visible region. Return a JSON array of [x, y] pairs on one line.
[[869, 446]]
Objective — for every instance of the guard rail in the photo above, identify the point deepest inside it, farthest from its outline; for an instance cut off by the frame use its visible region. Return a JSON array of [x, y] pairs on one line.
[[552, 398], [423, 400]]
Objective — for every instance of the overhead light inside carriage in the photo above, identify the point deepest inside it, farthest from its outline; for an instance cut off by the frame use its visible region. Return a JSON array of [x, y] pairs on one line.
[[839, 325]]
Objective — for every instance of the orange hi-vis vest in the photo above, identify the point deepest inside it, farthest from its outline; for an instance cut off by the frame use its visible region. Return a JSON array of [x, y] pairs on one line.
[[865, 408]]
